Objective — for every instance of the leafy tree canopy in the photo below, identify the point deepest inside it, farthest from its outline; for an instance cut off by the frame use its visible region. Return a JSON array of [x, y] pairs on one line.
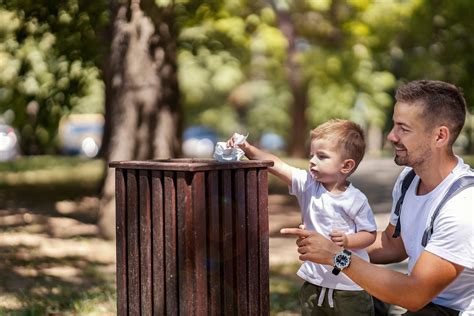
[[48, 55], [231, 58]]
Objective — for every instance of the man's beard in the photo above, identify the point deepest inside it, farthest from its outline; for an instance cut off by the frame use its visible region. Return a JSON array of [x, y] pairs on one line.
[[399, 161], [407, 160]]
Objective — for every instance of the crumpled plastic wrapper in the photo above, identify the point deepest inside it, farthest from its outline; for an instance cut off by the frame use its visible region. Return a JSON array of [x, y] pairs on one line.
[[224, 154]]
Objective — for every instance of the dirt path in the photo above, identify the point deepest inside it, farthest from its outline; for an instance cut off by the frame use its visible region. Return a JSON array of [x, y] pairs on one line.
[[51, 257]]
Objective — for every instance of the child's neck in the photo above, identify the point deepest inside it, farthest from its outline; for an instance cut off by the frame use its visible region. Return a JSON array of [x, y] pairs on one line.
[[337, 187]]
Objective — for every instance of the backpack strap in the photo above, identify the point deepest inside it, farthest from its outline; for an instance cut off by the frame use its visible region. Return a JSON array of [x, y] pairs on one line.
[[458, 186], [405, 185]]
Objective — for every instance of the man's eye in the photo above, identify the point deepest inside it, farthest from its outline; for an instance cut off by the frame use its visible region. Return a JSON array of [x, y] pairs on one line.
[[403, 129]]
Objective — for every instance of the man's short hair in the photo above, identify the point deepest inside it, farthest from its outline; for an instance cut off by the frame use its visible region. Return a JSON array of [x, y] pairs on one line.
[[443, 103], [346, 135]]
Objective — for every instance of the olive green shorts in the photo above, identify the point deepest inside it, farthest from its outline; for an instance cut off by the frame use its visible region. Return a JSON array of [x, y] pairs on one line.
[[334, 302]]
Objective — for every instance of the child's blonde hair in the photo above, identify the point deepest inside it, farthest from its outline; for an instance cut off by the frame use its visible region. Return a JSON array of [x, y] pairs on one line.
[[346, 135]]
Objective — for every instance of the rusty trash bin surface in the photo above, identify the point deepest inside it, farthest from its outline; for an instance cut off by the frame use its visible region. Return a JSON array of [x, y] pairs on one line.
[[192, 237]]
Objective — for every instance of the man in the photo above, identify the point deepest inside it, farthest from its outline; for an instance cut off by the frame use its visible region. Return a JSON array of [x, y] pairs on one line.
[[428, 117]]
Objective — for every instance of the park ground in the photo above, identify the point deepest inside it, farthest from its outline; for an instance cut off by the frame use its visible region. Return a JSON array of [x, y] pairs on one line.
[[53, 262]]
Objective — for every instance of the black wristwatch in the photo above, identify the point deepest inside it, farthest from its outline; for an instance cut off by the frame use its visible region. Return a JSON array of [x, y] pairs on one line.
[[341, 261]]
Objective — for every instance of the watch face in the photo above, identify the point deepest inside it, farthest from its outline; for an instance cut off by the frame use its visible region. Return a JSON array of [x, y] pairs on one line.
[[341, 261]]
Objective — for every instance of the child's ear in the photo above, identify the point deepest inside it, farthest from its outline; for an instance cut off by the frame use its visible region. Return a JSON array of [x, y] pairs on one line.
[[347, 166]]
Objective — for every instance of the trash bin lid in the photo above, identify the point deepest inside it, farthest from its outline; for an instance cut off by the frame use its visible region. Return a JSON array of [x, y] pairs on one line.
[[189, 164]]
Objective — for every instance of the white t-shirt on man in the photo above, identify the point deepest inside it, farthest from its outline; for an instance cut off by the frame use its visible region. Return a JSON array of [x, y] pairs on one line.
[[323, 212], [453, 233]]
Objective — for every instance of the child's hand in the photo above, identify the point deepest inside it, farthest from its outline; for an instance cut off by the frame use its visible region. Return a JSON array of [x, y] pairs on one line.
[[339, 238], [231, 143]]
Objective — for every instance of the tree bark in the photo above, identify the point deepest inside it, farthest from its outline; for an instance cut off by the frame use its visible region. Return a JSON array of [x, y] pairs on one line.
[[142, 96], [297, 85]]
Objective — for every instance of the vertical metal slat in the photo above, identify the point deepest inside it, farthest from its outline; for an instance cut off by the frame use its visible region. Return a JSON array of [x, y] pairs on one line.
[[133, 244], [252, 242], [200, 244], [121, 241], [145, 243], [264, 243], [171, 273], [214, 245], [240, 238], [158, 253]]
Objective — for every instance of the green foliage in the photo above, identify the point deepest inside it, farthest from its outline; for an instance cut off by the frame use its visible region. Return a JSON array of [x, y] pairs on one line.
[[226, 58], [231, 60], [241, 72], [437, 43], [48, 52]]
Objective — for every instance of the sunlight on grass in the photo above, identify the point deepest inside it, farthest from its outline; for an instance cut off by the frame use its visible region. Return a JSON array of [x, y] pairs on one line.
[[40, 170], [284, 289], [68, 275], [99, 300]]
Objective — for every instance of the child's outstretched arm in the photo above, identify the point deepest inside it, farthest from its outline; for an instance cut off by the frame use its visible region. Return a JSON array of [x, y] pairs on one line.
[[280, 169], [359, 240]]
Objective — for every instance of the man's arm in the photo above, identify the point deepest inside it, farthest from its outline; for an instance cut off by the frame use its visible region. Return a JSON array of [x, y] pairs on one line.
[[429, 277], [280, 169], [387, 249]]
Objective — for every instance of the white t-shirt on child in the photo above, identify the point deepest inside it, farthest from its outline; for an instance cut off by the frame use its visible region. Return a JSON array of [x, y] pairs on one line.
[[323, 212]]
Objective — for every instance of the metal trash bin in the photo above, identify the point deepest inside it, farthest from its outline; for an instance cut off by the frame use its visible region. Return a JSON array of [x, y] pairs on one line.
[[192, 237]]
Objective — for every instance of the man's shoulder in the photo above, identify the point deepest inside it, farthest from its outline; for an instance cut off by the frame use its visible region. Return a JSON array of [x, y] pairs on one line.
[[404, 173], [462, 168]]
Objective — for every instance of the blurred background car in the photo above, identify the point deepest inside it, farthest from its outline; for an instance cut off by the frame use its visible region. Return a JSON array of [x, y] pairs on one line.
[[81, 134], [272, 142], [9, 148], [199, 142]]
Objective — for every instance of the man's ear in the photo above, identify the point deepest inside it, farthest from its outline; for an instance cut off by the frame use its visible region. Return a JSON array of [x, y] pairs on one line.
[[347, 166], [442, 136]]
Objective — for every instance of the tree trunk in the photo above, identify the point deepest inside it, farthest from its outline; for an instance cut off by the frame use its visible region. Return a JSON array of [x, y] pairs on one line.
[[142, 112], [298, 87]]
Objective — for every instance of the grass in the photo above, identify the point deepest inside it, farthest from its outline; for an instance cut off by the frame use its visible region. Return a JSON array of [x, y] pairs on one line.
[[284, 289], [55, 170], [67, 282], [60, 300], [30, 278], [41, 178]]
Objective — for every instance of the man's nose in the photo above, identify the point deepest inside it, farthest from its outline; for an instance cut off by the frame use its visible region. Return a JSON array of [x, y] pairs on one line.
[[392, 137]]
